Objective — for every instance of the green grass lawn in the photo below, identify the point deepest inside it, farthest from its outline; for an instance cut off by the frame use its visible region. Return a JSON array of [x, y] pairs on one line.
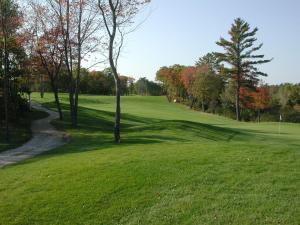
[[174, 166], [19, 130]]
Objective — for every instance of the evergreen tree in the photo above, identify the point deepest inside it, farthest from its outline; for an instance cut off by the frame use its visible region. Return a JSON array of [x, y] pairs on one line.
[[239, 54], [211, 60]]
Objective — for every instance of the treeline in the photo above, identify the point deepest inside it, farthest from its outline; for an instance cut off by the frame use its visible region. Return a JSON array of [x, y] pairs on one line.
[[99, 83], [205, 87]]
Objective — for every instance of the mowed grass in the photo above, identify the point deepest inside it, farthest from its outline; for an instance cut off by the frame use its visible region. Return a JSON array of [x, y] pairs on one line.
[[174, 166]]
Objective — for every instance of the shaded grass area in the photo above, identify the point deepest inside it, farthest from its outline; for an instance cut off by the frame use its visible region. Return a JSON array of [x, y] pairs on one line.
[[174, 166], [20, 130]]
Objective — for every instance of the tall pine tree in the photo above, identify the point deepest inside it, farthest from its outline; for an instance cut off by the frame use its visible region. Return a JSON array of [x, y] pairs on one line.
[[240, 55]]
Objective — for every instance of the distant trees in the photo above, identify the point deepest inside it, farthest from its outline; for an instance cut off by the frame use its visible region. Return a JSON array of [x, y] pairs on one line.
[[257, 99], [96, 82], [208, 87], [261, 100], [145, 87], [239, 54], [198, 86], [171, 80], [188, 78]]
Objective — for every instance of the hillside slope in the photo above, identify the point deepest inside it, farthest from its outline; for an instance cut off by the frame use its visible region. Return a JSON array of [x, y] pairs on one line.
[[174, 166]]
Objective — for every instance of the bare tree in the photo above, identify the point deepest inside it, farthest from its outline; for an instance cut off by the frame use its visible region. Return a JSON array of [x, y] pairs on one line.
[[45, 37], [78, 23], [118, 16]]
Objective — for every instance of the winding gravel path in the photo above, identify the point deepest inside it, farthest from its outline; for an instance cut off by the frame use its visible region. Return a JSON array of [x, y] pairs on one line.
[[45, 137]]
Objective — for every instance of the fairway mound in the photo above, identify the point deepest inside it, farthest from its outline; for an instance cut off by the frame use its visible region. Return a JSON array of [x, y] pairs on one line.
[[188, 130]]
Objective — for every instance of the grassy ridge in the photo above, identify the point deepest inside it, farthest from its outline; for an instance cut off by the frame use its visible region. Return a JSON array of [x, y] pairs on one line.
[[174, 166]]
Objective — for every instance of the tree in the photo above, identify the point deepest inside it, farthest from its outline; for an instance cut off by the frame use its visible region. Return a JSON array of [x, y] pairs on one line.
[[207, 86], [188, 77], [261, 100], [145, 87], [239, 54], [47, 43], [171, 79], [118, 18], [78, 23], [210, 60], [10, 21]]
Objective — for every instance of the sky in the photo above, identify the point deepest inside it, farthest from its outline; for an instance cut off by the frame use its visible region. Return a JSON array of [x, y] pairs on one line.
[[179, 32]]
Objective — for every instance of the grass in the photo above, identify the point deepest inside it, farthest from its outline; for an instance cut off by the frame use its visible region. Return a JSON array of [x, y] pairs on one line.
[[19, 130], [174, 166]]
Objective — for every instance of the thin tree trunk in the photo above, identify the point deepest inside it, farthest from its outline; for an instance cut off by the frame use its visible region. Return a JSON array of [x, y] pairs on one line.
[[42, 88], [118, 113], [6, 109], [58, 105], [29, 100], [237, 102], [76, 106], [57, 102], [203, 106], [77, 81], [6, 88], [168, 97], [71, 99], [259, 115], [192, 103]]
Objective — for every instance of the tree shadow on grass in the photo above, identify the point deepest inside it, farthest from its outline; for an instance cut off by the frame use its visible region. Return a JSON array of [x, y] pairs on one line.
[[145, 130], [95, 131]]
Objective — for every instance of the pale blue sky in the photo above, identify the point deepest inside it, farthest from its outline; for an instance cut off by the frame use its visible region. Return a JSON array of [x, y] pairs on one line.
[[178, 32]]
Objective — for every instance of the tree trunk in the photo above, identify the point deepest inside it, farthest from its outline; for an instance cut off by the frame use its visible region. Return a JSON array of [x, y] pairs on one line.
[[202, 106], [168, 97], [6, 89], [237, 102], [77, 81], [42, 88], [76, 107], [58, 106], [258, 115], [72, 111], [192, 103], [29, 100], [55, 92], [118, 113]]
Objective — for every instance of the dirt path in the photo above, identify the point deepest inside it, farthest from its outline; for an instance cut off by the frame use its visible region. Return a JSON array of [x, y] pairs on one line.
[[44, 138]]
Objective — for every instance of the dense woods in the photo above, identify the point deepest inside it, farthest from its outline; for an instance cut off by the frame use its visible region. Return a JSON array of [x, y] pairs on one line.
[[204, 87], [102, 83]]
